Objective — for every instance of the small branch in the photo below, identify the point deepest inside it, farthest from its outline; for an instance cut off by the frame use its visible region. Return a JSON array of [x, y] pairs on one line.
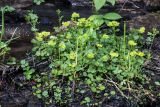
[[115, 84]]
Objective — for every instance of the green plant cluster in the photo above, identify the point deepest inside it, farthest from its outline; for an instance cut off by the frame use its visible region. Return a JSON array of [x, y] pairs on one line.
[[84, 58], [32, 19], [38, 2], [4, 48], [98, 4]]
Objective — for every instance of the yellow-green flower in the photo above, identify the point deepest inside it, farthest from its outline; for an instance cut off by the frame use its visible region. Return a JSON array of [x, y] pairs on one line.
[[105, 58], [99, 45], [72, 55], [39, 34], [39, 38], [105, 36], [73, 65], [141, 54], [114, 54], [45, 34], [133, 53], [51, 43], [68, 36], [113, 24], [90, 55], [142, 30], [62, 45], [132, 43], [81, 21], [75, 15], [66, 24]]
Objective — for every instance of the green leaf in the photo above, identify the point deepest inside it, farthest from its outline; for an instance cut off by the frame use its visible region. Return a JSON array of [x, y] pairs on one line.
[[93, 89], [38, 2], [99, 4], [93, 17], [112, 16], [112, 92], [112, 2], [87, 99], [8, 9], [88, 81], [45, 93], [102, 87], [28, 77], [157, 83], [22, 62], [98, 22]]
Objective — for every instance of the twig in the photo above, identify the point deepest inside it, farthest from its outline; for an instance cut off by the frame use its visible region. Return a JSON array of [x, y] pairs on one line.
[[13, 36], [129, 2], [117, 88]]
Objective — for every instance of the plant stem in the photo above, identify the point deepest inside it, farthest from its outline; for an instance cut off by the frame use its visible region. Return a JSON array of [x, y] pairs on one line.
[[59, 54], [77, 52], [3, 28], [115, 38], [124, 38]]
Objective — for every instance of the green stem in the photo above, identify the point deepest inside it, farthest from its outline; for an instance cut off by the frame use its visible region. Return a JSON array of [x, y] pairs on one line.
[[124, 38], [3, 28], [77, 52], [129, 61], [115, 38], [59, 54]]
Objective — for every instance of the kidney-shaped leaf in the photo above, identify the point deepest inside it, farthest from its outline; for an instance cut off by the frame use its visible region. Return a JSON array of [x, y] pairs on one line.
[[112, 16]]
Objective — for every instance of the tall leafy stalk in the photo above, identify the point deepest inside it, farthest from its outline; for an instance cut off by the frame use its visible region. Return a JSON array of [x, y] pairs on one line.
[[3, 11], [3, 28]]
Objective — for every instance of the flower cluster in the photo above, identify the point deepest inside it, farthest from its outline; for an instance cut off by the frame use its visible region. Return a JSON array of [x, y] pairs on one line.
[[72, 55], [113, 54], [113, 24], [132, 43], [51, 42], [75, 16], [66, 24], [99, 45], [105, 36], [42, 35], [62, 46], [81, 22], [139, 53], [90, 55], [142, 30]]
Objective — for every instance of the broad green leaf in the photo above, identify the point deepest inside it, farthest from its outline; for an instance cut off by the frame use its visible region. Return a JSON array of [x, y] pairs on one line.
[[99, 4], [112, 16], [93, 17], [98, 22], [112, 2]]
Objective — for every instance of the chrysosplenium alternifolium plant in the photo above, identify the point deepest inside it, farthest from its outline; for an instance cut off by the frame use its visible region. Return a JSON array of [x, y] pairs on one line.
[[82, 58]]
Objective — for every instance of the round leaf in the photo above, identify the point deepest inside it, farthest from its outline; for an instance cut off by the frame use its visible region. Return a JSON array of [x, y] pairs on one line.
[[112, 16]]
